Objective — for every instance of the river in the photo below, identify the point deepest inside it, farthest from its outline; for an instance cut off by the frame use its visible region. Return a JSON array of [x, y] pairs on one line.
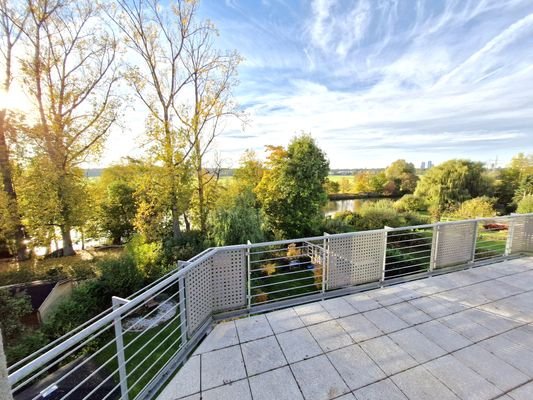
[[335, 206]]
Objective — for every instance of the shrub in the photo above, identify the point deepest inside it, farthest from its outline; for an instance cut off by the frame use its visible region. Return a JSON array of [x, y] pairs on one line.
[[378, 214], [146, 256], [474, 208], [525, 205], [410, 203]]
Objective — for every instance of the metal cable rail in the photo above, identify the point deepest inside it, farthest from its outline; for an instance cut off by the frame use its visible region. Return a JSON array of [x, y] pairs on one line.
[[130, 350]]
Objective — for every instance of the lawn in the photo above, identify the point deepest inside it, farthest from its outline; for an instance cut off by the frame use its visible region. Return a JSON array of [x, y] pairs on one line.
[[161, 343]]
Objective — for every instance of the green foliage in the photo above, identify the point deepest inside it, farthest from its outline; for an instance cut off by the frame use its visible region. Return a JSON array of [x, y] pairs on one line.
[[332, 187], [236, 224], [447, 185], [146, 257], [184, 247], [525, 205], [474, 208], [376, 215], [12, 309], [291, 192], [410, 203], [403, 175], [114, 194], [377, 183], [525, 187]]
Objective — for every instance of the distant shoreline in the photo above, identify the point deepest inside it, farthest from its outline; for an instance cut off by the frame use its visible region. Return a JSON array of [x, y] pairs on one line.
[[353, 196]]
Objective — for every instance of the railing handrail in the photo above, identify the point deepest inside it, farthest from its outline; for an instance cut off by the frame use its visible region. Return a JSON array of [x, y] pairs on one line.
[[85, 330]]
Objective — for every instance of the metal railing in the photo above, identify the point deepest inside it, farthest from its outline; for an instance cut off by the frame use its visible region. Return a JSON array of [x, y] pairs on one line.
[[130, 350]]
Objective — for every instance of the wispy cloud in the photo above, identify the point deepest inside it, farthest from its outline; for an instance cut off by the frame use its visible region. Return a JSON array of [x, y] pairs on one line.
[[378, 80]]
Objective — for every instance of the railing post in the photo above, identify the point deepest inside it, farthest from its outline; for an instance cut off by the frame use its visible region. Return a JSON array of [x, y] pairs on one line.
[[474, 239], [434, 248], [325, 263], [510, 236], [5, 387], [121, 359], [384, 264], [183, 310], [249, 274]]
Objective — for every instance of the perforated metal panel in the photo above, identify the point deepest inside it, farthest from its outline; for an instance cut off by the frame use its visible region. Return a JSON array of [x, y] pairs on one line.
[[216, 284], [522, 234], [198, 294], [229, 279], [455, 243], [355, 259]]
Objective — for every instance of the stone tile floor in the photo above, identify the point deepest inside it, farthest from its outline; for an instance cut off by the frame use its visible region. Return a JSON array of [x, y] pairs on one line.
[[462, 335]]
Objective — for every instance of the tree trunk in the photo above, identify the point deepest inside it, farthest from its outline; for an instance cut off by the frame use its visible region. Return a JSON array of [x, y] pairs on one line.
[[201, 203], [175, 222], [68, 249], [9, 189], [187, 223]]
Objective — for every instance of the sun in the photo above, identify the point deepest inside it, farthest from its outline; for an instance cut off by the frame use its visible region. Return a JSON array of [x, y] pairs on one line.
[[14, 99]]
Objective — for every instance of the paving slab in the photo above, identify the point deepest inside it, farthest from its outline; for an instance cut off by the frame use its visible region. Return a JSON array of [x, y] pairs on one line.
[[186, 382], [515, 354], [418, 384], [330, 335], [278, 384], [362, 302], [437, 307], [382, 390], [252, 328], [338, 307], [223, 335], [232, 391], [298, 345], [262, 355], [318, 379], [524, 392], [284, 320], [355, 367], [312, 313], [443, 336], [417, 345], [359, 327], [385, 320], [223, 366], [388, 355], [463, 381], [492, 368], [409, 313]]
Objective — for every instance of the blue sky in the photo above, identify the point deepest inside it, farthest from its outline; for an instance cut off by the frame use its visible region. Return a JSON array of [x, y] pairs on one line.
[[374, 81]]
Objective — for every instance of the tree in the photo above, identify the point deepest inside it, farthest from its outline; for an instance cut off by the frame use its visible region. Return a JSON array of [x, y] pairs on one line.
[[237, 222], [291, 192], [69, 71], [250, 171], [362, 183], [157, 35], [332, 187], [403, 174], [511, 182], [525, 205], [447, 185], [409, 203], [12, 21], [12, 310], [345, 185], [213, 76], [478, 207], [377, 183]]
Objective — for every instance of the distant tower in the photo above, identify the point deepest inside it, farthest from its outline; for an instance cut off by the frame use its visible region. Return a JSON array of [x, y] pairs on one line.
[[423, 165], [430, 164]]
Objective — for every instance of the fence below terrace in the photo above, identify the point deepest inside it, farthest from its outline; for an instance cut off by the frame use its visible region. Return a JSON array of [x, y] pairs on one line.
[[130, 350]]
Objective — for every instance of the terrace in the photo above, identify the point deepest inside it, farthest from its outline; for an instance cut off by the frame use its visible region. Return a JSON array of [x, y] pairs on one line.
[[440, 310]]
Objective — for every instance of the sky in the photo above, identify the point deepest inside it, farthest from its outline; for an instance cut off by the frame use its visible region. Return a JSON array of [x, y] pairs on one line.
[[374, 81]]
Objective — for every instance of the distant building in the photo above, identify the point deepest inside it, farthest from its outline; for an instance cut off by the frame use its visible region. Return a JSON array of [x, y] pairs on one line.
[[430, 164], [423, 165]]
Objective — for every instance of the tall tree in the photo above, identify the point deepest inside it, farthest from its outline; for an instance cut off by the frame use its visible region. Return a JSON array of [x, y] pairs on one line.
[[452, 182], [12, 21], [213, 76], [403, 175], [291, 192], [157, 34], [69, 71]]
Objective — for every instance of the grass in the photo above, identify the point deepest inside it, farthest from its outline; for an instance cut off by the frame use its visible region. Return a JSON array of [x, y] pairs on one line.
[[142, 367], [490, 244]]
